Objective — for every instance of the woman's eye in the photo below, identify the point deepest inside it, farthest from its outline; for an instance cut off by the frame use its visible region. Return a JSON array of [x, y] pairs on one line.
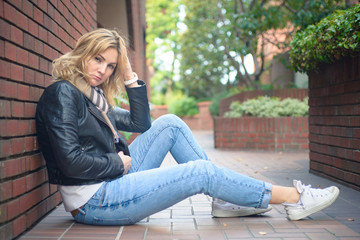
[[111, 67], [97, 59]]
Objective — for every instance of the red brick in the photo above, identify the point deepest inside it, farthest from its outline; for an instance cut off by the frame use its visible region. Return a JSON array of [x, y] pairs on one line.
[[42, 4], [34, 28], [354, 121], [350, 177], [13, 209], [36, 213], [19, 225], [27, 8], [1, 9], [3, 217], [5, 108], [4, 72], [5, 190], [44, 65], [16, 3], [50, 10], [47, 51], [7, 231], [23, 127], [57, 16], [29, 76], [30, 199], [39, 47], [10, 13], [35, 94], [17, 109], [29, 41], [18, 186], [16, 72], [32, 128], [38, 16], [17, 146], [351, 154], [29, 110], [53, 188], [47, 22], [13, 167], [43, 34], [22, 21], [16, 35], [23, 92], [33, 61], [9, 127], [35, 179], [5, 31], [53, 201], [30, 144], [352, 86], [2, 48], [5, 147], [34, 162], [4, 127], [10, 51]]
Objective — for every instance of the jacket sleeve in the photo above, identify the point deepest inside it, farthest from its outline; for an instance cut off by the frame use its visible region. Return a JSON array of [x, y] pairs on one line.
[[61, 114], [138, 118]]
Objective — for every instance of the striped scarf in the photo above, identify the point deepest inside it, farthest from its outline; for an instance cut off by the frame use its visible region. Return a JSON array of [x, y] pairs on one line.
[[97, 97]]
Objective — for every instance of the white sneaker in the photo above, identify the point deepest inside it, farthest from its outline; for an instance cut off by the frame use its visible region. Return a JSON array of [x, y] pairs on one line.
[[221, 208], [311, 200]]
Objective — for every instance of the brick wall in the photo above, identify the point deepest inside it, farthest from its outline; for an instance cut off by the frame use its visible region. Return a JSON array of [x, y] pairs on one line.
[[280, 93], [201, 121], [32, 34], [279, 134], [334, 121]]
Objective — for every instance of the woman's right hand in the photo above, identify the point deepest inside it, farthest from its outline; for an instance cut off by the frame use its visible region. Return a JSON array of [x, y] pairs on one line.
[[126, 161]]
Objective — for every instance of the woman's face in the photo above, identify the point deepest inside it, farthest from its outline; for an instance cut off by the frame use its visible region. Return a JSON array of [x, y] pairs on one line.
[[100, 67]]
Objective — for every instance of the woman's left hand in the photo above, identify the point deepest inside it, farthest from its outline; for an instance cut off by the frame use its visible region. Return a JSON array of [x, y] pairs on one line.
[[126, 161]]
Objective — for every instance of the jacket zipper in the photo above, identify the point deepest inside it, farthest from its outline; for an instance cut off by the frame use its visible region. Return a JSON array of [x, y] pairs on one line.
[[85, 145], [95, 115]]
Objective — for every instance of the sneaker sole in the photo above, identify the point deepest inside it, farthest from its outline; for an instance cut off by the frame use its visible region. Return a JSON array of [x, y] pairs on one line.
[[305, 213], [239, 213]]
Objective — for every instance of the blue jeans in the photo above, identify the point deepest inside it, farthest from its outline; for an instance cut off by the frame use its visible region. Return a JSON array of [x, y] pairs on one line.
[[147, 189]]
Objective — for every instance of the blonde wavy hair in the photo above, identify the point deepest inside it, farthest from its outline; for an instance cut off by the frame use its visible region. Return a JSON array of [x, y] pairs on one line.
[[71, 66]]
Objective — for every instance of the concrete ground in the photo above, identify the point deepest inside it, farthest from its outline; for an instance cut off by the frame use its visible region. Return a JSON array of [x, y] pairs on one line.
[[191, 218]]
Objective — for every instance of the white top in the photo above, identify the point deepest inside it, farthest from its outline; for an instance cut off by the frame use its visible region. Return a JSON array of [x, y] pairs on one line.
[[76, 196]]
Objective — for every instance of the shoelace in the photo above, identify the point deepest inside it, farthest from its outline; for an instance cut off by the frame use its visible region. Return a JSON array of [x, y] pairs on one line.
[[300, 188]]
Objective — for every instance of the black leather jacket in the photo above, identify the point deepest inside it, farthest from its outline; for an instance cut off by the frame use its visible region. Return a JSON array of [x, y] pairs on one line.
[[77, 145]]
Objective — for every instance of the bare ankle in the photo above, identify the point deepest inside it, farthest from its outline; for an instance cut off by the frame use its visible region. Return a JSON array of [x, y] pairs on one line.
[[293, 197]]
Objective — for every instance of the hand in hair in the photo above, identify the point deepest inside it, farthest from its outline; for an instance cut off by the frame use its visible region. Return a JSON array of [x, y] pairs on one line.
[[129, 72]]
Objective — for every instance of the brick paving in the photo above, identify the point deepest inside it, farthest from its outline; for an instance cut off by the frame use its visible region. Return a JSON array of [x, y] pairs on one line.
[[191, 218]]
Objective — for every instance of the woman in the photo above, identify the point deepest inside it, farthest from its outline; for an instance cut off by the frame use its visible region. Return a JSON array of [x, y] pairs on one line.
[[102, 180]]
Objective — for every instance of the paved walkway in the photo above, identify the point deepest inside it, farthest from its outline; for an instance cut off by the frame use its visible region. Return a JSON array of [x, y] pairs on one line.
[[191, 218]]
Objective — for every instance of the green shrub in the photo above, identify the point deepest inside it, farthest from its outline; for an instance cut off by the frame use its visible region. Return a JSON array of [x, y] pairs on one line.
[[184, 107], [269, 107], [334, 37], [215, 102]]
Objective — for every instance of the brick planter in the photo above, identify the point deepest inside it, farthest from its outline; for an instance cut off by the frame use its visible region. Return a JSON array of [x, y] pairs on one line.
[[280, 93], [283, 133], [201, 121]]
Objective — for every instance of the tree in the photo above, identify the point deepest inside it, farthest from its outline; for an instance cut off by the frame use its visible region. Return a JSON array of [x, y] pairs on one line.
[[162, 46], [225, 38]]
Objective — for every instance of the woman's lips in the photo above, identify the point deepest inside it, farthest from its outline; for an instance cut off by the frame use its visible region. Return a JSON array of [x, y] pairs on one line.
[[97, 78]]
